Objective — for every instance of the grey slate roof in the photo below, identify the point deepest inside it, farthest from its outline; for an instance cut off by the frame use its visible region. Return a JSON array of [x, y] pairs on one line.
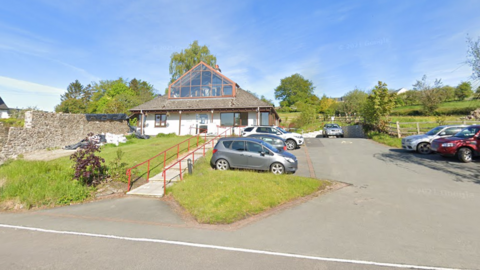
[[3, 106], [243, 99]]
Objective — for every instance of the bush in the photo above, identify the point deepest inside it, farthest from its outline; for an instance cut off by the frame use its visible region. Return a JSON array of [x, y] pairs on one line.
[[117, 168], [88, 167], [163, 135]]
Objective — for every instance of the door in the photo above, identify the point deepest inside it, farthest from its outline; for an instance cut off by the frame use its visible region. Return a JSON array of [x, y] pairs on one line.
[[255, 159], [237, 156]]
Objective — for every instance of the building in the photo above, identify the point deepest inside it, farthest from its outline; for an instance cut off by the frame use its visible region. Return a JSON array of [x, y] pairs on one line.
[[3, 109], [203, 100], [400, 91]]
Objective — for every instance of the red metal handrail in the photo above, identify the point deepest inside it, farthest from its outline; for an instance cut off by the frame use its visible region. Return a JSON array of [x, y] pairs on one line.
[[129, 170], [164, 173]]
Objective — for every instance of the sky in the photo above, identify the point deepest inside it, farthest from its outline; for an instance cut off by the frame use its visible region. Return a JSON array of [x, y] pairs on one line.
[[338, 45]]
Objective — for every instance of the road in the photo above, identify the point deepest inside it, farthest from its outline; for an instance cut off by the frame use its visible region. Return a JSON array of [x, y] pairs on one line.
[[399, 209]]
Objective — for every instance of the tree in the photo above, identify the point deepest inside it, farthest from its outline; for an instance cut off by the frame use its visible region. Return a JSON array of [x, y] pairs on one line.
[[477, 93], [269, 101], [186, 59], [142, 89], [353, 101], [76, 99], [430, 96], [327, 105], [447, 92], [463, 90], [473, 56], [293, 89], [378, 106]]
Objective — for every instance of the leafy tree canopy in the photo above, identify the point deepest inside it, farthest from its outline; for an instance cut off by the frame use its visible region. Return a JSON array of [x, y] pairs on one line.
[[379, 104], [186, 59], [293, 89], [463, 90], [106, 96], [430, 95], [353, 101]]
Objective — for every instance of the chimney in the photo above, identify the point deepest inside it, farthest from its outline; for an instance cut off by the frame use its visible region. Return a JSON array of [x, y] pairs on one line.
[[217, 68]]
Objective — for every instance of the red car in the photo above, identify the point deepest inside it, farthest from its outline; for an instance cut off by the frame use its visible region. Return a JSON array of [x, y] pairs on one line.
[[465, 144]]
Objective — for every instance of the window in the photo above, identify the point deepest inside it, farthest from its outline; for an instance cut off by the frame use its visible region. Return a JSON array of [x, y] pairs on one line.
[[202, 81], [452, 131], [254, 147], [249, 129], [227, 144], [264, 118], [238, 145], [233, 119], [160, 120]]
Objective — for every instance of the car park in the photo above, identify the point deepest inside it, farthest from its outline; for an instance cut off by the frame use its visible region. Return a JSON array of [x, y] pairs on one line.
[[251, 153], [275, 141], [464, 145], [332, 130], [421, 143], [293, 140]]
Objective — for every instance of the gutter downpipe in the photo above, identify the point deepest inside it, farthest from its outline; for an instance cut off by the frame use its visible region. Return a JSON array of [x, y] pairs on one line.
[[143, 119]]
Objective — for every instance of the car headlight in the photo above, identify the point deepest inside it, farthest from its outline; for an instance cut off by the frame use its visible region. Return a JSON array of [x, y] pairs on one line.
[[409, 140], [298, 136], [448, 145], [290, 160]]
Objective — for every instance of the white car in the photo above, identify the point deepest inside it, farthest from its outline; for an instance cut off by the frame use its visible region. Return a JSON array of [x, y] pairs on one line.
[[421, 143], [293, 140]]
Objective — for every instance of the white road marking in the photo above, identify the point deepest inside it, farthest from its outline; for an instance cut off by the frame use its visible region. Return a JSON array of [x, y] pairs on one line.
[[254, 251]]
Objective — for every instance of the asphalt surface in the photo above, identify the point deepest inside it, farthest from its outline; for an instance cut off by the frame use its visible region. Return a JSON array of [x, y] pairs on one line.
[[400, 209]]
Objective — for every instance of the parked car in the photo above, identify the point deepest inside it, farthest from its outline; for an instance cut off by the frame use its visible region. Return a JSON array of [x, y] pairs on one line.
[[465, 144], [251, 153], [332, 130], [293, 140], [275, 141], [421, 143]]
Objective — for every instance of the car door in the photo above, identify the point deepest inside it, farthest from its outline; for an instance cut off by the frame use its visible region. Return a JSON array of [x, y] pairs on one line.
[[255, 158], [237, 156]]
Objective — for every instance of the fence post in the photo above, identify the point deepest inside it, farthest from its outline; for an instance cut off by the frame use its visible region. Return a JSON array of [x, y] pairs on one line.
[[398, 130], [418, 128], [178, 150], [464, 121]]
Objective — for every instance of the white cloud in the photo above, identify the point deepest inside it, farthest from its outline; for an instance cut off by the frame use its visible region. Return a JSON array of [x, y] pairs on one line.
[[29, 86]]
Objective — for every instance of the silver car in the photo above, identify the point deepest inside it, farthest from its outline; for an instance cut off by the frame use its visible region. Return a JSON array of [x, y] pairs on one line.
[[250, 153], [421, 143], [332, 130]]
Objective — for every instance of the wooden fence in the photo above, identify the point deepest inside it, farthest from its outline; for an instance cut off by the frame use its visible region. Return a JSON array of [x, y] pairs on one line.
[[403, 129]]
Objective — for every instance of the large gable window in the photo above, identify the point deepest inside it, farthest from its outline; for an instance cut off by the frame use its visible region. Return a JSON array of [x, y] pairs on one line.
[[201, 82]]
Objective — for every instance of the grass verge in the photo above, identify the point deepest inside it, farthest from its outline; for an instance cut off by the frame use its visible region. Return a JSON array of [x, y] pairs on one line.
[[49, 183], [385, 139], [223, 197]]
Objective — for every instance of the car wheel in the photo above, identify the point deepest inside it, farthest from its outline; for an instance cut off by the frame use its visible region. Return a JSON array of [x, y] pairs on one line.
[[465, 154], [291, 144], [222, 165], [277, 168], [424, 148]]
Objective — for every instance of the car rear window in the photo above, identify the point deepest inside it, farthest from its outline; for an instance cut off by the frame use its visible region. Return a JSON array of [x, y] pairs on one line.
[[248, 129], [227, 144]]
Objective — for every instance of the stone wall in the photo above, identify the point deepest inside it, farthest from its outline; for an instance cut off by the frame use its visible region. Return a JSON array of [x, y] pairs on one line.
[[44, 130]]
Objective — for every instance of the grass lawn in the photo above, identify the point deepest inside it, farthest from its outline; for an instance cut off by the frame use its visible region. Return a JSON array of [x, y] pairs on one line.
[[222, 197], [385, 139], [49, 183], [448, 108]]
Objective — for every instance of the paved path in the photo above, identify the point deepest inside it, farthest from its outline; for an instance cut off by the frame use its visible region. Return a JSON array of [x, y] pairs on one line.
[[401, 208]]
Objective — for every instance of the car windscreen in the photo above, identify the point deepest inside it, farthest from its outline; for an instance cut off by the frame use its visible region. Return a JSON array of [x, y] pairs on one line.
[[282, 130], [468, 132], [434, 131], [270, 147]]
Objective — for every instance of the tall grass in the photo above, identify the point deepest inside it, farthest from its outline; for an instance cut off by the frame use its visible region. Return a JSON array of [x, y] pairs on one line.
[[38, 183], [222, 197], [385, 139]]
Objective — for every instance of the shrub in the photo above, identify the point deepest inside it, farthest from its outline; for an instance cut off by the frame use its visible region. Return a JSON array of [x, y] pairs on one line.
[[117, 168], [163, 135], [88, 167]]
